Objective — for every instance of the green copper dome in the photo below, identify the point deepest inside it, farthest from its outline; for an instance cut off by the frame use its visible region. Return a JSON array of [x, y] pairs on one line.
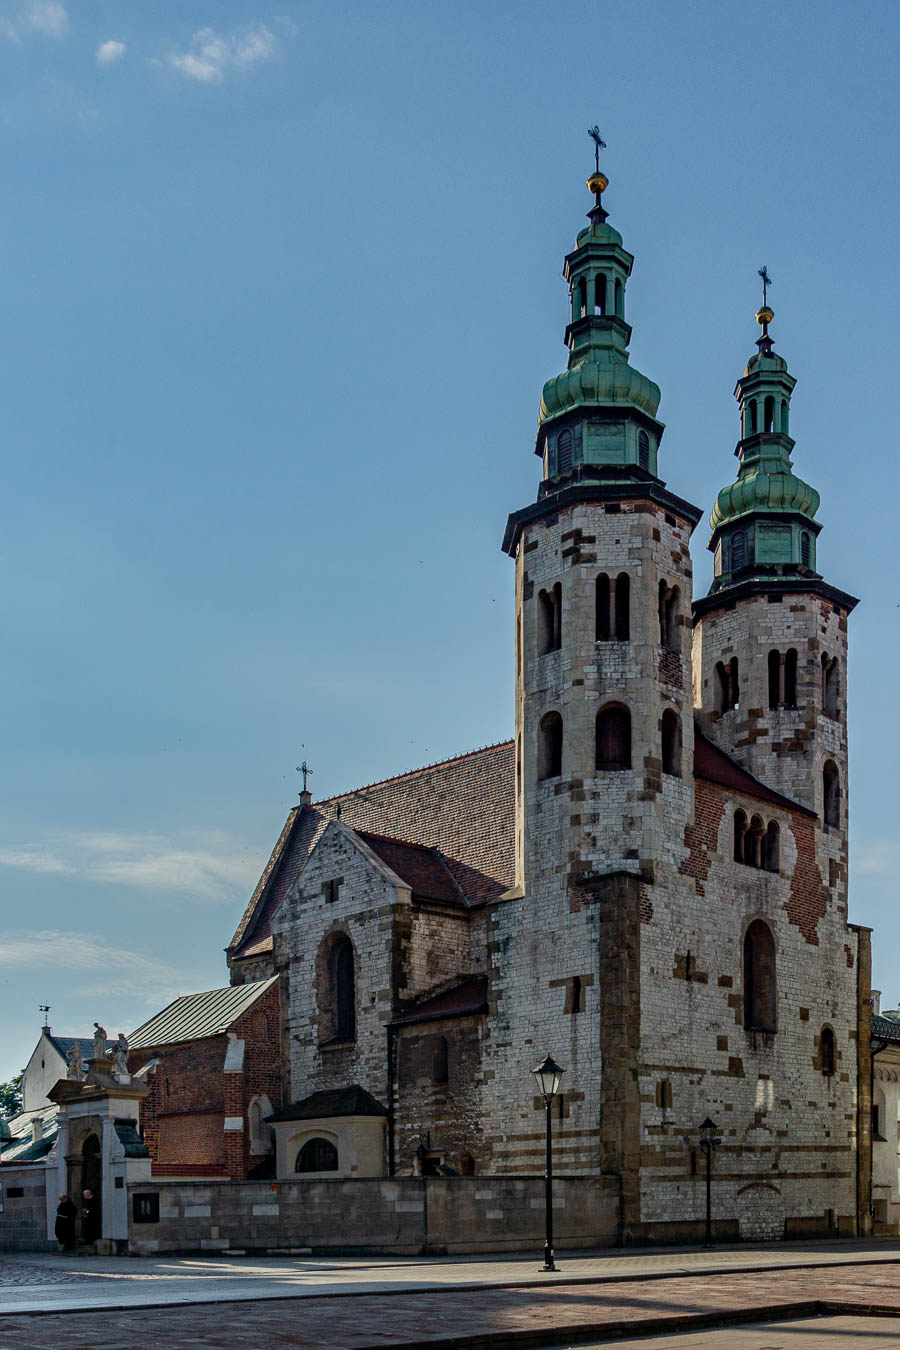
[[764, 523], [598, 417]]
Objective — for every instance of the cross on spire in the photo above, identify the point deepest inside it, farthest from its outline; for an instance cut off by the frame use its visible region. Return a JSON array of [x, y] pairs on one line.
[[599, 144], [305, 770], [767, 282]]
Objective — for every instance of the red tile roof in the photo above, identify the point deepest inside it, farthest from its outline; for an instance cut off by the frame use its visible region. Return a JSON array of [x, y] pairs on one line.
[[466, 998], [462, 807], [423, 869]]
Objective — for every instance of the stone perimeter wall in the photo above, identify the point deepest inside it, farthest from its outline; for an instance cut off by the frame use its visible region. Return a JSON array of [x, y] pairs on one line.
[[405, 1215], [23, 1222]]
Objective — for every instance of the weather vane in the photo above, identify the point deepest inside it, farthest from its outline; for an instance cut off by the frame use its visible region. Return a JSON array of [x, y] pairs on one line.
[[767, 282], [305, 770], [599, 144], [45, 1009]]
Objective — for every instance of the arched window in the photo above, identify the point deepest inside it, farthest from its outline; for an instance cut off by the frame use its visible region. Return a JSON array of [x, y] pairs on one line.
[[581, 305], [623, 620], [784, 416], [738, 550], [671, 743], [549, 620], [620, 308], [669, 632], [344, 990], [769, 414], [727, 691], [643, 450], [772, 847], [760, 998], [831, 786], [614, 737], [774, 678], [753, 842], [734, 684], [740, 835], [439, 1059], [602, 608], [317, 1155], [804, 549], [564, 443], [600, 293], [830, 686], [550, 746], [753, 416], [790, 678], [826, 1041]]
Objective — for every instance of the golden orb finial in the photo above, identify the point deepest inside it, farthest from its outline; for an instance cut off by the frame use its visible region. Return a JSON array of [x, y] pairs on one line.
[[597, 182], [765, 315]]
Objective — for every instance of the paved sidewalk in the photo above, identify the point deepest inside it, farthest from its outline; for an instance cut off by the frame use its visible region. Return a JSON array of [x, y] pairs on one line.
[[497, 1319], [42, 1283]]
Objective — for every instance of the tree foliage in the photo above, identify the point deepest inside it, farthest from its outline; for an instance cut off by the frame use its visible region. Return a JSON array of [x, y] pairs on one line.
[[11, 1096]]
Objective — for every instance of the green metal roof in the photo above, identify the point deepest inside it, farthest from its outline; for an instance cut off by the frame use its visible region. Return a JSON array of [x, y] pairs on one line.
[[196, 1016]]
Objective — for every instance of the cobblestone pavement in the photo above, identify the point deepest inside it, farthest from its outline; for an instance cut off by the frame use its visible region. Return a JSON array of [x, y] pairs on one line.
[[498, 1317], [806, 1333]]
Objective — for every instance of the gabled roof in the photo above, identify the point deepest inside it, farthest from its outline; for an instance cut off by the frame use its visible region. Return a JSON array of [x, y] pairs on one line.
[[461, 807], [714, 766], [348, 1101], [196, 1016], [461, 1001], [64, 1044], [423, 869]]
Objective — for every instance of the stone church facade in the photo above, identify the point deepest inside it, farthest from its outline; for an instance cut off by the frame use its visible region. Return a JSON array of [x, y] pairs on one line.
[[649, 881]]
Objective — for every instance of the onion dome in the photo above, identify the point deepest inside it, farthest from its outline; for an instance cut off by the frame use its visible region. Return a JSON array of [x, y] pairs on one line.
[[764, 525]]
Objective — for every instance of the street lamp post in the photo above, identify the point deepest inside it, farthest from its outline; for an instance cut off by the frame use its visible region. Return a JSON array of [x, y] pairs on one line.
[[708, 1142], [547, 1076]]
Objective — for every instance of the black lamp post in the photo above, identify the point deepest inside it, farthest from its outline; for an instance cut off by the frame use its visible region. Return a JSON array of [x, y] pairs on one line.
[[708, 1142], [547, 1076]]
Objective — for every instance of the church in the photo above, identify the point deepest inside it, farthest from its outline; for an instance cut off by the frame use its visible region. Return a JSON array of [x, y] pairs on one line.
[[649, 882]]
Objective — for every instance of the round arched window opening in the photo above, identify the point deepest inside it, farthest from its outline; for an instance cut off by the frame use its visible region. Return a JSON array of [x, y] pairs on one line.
[[317, 1155]]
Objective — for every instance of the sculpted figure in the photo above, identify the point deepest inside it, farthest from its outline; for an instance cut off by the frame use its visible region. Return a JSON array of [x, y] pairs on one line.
[[75, 1069], [121, 1053], [99, 1041]]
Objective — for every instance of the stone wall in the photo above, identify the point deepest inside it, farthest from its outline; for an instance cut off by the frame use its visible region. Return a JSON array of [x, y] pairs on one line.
[[445, 1116], [23, 1221], [405, 1216]]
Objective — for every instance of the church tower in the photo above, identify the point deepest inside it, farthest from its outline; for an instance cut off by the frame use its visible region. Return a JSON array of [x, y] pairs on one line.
[[770, 638], [604, 720]]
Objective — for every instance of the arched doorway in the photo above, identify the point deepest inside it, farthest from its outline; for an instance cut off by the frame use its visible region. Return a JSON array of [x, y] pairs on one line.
[[91, 1180]]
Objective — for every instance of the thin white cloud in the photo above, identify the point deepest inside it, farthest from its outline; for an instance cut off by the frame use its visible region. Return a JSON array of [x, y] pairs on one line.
[[208, 868], [123, 973], [108, 53], [48, 17], [210, 56], [879, 856]]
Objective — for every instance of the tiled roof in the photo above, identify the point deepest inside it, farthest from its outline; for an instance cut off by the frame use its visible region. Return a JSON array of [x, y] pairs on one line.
[[64, 1044], [463, 807], [461, 1001], [423, 869], [713, 765], [195, 1016], [20, 1147], [348, 1101]]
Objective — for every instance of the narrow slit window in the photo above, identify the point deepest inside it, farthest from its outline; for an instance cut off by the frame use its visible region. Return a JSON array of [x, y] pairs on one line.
[[613, 738], [623, 601], [671, 743], [551, 746], [564, 443], [643, 450]]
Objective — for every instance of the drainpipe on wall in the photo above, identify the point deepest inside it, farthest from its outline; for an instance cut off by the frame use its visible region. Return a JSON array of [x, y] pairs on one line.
[[390, 1099]]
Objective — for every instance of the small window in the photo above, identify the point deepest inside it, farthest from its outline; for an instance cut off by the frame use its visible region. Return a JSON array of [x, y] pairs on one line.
[[564, 451], [664, 1094], [772, 847], [613, 742], [831, 789], [740, 834], [753, 844], [145, 1207], [581, 302], [753, 416], [669, 628], [345, 990], [738, 550], [790, 678], [317, 1155], [760, 999], [623, 621], [769, 413], [439, 1060], [575, 995], [643, 450], [602, 607], [551, 746], [600, 293], [549, 620], [827, 1042], [619, 300], [671, 743], [774, 678], [830, 687], [784, 416], [332, 891], [804, 549]]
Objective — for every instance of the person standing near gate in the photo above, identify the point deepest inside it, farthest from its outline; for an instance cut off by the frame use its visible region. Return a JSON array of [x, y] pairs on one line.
[[90, 1218], [66, 1214]]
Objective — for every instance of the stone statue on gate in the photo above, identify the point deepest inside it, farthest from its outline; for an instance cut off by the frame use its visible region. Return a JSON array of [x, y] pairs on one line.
[[75, 1067], [120, 1054], [99, 1041]]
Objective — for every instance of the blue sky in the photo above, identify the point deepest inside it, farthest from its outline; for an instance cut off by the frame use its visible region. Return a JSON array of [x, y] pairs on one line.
[[279, 287]]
